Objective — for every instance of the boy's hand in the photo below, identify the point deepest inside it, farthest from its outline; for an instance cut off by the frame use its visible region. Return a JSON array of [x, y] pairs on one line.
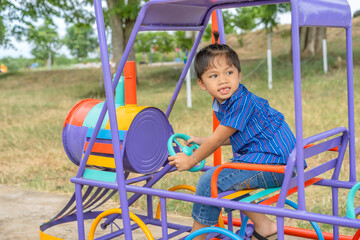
[[182, 161]]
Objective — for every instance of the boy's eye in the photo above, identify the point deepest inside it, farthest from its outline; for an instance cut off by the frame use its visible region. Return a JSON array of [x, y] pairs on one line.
[[229, 72], [213, 76]]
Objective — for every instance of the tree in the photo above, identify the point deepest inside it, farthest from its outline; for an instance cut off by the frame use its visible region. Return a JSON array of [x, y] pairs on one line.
[[122, 20], [183, 42], [80, 40], [45, 40], [311, 40], [144, 43], [268, 15], [243, 20], [164, 43], [18, 16]]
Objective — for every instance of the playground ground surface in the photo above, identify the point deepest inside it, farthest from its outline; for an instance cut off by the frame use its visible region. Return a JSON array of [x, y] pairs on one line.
[[23, 211]]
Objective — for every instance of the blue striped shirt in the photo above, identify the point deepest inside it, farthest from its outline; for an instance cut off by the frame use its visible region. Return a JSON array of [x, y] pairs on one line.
[[262, 134]]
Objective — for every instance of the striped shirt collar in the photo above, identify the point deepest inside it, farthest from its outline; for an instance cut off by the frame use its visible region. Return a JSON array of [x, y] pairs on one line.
[[216, 105]]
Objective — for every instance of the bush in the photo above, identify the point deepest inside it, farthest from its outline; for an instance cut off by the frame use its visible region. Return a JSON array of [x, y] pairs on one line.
[[16, 64]]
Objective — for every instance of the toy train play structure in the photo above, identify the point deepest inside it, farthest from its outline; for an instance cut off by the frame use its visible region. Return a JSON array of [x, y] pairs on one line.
[[109, 140]]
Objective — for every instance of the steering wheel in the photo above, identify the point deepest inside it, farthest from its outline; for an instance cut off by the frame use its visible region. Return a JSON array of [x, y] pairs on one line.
[[185, 149]]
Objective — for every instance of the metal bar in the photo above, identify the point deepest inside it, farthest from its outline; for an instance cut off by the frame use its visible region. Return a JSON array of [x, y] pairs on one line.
[[350, 87], [170, 28], [303, 215], [79, 212], [335, 210], [110, 102], [164, 226], [335, 183], [298, 103], [183, 74]]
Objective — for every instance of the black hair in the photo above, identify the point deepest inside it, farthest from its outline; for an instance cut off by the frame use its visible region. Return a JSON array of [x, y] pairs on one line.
[[205, 56]]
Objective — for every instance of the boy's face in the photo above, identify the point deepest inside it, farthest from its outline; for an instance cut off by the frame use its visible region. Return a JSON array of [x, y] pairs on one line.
[[221, 80]]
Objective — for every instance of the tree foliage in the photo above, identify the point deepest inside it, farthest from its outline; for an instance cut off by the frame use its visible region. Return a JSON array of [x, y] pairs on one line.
[[80, 40], [268, 15], [182, 41], [145, 42], [18, 16], [45, 39]]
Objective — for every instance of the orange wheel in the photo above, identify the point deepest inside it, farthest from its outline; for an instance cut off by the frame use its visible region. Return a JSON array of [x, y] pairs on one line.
[[172, 189], [133, 217]]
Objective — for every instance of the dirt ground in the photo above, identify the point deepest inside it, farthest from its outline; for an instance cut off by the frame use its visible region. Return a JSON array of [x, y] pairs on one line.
[[23, 211]]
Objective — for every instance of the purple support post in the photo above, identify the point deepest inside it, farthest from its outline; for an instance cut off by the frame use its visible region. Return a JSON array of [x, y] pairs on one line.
[[164, 226], [79, 212], [298, 103], [230, 221], [280, 228], [183, 74], [350, 86], [112, 118], [220, 21], [335, 206], [149, 200]]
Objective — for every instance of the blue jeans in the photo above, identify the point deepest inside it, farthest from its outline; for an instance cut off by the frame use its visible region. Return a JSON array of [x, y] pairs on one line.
[[230, 179]]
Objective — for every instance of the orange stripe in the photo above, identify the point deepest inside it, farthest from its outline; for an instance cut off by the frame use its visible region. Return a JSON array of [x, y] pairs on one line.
[[101, 148]]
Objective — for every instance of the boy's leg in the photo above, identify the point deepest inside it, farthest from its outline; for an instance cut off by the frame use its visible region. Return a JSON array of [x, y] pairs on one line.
[[263, 225], [196, 226]]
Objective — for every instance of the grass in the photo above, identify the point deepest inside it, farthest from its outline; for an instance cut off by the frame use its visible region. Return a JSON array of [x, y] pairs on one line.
[[35, 104]]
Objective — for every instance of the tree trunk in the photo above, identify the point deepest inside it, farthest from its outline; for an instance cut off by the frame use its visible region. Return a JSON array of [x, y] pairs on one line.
[[311, 40], [128, 30], [121, 29], [117, 34]]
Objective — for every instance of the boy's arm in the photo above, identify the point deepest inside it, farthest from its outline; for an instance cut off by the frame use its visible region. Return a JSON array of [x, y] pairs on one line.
[[218, 138], [227, 142]]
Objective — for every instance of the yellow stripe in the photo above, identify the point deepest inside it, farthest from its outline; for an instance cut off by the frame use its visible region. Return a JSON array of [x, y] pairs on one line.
[[44, 236], [125, 115], [101, 161], [238, 194]]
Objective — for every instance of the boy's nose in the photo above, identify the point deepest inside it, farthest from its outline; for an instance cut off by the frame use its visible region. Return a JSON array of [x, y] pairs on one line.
[[222, 80]]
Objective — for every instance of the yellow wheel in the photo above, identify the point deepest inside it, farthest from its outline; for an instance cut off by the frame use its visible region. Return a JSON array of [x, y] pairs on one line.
[[133, 217], [172, 189]]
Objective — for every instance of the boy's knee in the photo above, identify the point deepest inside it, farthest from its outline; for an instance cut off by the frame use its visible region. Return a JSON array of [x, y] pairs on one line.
[[203, 187]]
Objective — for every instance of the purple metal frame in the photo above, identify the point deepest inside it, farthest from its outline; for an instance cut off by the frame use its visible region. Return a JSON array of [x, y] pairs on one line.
[[194, 15]]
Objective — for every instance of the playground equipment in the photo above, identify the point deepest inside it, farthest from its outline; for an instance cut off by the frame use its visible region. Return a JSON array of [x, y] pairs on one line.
[[133, 137], [3, 68]]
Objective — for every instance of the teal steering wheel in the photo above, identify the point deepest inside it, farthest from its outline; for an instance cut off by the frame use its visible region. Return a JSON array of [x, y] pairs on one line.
[[185, 149]]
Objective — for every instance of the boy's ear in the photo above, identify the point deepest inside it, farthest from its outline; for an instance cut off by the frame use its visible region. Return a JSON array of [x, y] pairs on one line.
[[201, 84], [239, 77]]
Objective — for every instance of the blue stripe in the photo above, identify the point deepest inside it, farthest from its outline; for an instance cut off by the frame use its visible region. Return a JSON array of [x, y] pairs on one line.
[[105, 133]]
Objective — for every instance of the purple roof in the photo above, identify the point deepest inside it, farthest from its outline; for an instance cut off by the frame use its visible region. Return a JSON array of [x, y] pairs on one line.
[[168, 14]]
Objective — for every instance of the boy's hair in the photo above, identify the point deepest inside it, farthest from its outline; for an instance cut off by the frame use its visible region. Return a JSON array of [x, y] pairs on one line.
[[204, 58]]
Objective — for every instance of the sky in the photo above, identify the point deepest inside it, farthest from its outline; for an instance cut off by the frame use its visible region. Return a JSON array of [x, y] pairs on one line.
[[23, 48]]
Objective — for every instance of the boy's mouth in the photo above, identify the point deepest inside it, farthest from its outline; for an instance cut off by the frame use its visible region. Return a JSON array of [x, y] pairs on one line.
[[224, 90]]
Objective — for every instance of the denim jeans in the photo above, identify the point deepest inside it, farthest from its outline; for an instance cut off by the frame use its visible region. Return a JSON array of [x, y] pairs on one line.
[[230, 179]]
